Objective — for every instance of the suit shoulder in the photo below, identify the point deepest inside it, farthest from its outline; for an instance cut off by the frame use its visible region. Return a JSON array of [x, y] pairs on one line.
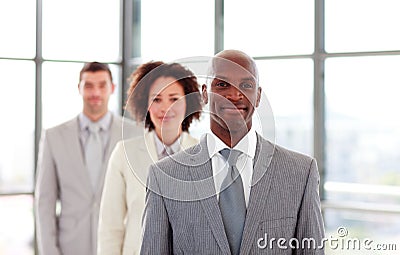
[[131, 142], [129, 127], [123, 120], [292, 158], [60, 127]]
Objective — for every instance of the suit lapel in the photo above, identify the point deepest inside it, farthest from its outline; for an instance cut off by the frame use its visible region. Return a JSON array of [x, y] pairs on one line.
[[71, 139], [261, 182], [201, 170]]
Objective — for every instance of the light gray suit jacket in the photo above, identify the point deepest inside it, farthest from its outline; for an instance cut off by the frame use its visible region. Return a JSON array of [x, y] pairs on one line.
[[182, 215], [62, 176]]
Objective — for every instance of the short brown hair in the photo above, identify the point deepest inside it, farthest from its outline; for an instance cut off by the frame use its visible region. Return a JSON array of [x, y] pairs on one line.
[[142, 79], [95, 67]]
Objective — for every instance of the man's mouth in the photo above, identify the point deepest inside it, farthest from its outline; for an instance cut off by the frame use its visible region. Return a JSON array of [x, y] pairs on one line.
[[234, 109], [95, 100]]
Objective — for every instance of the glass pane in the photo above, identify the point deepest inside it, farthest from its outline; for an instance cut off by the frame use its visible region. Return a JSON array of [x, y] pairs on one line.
[[17, 110], [288, 85], [17, 227], [81, 30], [359, 25], [60, 94], [18, 28], [168, 33], [347, 232], [363, 124], [265, 28]]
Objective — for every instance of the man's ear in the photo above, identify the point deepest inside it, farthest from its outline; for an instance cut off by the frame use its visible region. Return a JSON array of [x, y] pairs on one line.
[[259, 90], [204, 93], [79, 88], [112, 88]]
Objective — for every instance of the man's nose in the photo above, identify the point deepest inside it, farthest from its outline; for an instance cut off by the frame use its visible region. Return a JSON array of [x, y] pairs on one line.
[[234, 93], [96, 90]]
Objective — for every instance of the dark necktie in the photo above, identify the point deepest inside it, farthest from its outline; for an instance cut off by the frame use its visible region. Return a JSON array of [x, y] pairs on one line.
[[232, 202]]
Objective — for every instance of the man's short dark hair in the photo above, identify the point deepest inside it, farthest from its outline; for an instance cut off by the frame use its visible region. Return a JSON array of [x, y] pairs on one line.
[[94, 67]]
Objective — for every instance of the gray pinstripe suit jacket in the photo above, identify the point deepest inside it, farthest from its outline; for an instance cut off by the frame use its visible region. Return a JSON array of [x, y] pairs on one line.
[[182, 215]]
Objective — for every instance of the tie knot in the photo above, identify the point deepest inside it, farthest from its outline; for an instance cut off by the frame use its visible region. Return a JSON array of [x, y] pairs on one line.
[[230, 155], [93, 128]]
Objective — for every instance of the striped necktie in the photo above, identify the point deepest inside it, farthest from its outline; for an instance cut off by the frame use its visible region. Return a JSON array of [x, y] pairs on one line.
[[94, 154], [232, 202]]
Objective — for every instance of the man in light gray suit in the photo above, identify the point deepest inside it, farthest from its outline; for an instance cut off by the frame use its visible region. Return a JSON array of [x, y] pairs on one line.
[[71, 167], [235, 192]]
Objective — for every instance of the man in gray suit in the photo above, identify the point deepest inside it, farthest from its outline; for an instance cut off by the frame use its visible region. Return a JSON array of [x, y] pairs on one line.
[[235, 192], [71, 167]]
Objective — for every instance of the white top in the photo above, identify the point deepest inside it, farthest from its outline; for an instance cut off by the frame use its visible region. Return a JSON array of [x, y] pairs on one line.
[[247, 145]]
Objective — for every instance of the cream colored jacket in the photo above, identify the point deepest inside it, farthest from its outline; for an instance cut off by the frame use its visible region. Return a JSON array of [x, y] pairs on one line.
[[123, 197]]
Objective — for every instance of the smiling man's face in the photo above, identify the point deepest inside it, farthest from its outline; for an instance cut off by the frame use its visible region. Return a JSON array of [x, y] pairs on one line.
[[234, 94]]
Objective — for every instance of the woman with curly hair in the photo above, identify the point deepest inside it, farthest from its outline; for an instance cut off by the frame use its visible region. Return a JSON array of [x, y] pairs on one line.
[[166, 98]]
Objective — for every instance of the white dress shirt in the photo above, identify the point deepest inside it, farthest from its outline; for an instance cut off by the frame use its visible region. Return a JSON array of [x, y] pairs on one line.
[[247, 145], [105, 131]]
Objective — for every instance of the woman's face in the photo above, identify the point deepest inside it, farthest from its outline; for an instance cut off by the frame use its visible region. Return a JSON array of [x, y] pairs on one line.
[[167, 105]]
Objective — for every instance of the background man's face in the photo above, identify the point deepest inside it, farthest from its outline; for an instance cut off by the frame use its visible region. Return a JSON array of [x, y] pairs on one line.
[[96, 88]]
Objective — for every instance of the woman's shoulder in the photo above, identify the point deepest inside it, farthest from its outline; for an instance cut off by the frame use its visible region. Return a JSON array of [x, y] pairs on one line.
[[132, 142], [188, 140]]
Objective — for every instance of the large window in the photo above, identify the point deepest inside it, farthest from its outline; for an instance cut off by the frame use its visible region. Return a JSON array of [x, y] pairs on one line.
[[81, 30], [39, 66], [17, 136], [359, 25], [291, 99], [269, 28], [176, 29], [17, 29], [363, 144]]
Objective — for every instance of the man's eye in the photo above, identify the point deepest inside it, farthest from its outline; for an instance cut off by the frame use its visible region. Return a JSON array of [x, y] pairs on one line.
[[246, 85], [221, 84]]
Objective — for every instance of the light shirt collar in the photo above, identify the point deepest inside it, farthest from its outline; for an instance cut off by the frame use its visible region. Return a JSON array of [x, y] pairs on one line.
[[247, 145], [104, 122], [173, 148]]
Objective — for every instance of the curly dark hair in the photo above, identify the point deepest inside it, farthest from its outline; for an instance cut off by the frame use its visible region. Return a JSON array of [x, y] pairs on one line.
[[142, 79]]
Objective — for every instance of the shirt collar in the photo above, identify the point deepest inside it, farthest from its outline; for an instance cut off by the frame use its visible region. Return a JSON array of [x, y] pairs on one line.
[[173, 148], [104, 122], [246, 145]]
